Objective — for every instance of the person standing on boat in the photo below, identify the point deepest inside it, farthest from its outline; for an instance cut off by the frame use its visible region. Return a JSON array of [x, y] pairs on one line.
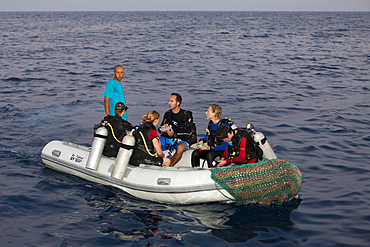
[[113, 92], [178, 128], [240, 147], [117, 129], [147, 144], [208, 147]]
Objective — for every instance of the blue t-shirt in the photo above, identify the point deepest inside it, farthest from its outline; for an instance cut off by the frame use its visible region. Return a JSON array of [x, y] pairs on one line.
[[114, 91]]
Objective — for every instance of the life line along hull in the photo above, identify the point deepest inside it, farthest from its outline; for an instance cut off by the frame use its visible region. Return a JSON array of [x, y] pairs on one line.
[[174, 185]]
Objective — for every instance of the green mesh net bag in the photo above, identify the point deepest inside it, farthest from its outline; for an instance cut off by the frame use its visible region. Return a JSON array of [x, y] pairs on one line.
[[271, 181]]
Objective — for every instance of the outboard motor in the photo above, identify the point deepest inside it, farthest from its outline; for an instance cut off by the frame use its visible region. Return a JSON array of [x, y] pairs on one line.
[[100, 138], [123, 157], [262, 142]]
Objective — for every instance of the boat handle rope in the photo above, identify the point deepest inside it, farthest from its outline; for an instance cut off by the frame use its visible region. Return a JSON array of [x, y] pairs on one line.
[[147, 149]]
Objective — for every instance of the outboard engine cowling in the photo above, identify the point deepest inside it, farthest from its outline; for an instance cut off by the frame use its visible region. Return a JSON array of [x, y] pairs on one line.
[[260, 138], [100, 138], [123, 157]]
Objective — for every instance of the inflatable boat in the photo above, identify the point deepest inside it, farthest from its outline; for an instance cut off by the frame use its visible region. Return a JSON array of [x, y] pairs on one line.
[[263, 182]]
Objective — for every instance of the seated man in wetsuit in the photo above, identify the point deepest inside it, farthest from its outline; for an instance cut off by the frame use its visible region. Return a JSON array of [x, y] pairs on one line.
[[181, 131], [208, 147], [240, 148], [117, 129]]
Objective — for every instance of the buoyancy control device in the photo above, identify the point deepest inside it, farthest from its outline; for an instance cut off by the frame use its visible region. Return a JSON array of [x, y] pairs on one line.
[[211, 140]]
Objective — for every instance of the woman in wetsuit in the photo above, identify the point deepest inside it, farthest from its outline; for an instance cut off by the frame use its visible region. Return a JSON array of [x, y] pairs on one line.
[[147, 145], [208, 147]]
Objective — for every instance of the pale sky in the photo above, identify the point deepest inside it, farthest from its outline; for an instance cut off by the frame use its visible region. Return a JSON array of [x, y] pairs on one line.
[[184, 5]]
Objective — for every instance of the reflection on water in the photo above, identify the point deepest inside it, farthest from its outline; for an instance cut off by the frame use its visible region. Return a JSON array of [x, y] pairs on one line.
[[249, 219], [129, 218], [150, 219]]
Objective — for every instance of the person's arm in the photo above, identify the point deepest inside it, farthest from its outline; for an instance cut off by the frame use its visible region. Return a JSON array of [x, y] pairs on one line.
[[153, 136], [206, 148], [221, 163], [223, 160], [164, 124], [204, 143], [106, 106], [169, 132], [157, 146], [205, 138], [222, 147]]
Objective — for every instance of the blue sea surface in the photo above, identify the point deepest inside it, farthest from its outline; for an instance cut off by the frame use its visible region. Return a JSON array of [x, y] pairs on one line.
[[301, 78]]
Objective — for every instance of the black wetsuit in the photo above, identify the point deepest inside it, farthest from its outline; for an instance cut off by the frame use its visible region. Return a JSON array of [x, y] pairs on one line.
[[182, 124], [120, 128]]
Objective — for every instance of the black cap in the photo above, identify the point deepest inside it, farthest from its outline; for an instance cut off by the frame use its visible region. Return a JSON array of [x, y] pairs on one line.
[[120, 106]]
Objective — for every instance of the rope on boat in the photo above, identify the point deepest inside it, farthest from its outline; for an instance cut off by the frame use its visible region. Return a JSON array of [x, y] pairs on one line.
[[269, 181]]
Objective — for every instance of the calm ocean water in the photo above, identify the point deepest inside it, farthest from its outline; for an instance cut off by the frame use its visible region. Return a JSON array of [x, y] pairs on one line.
[[303, 79]]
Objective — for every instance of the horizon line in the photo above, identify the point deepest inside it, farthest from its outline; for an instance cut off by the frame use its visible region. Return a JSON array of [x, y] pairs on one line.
[[348, 11]]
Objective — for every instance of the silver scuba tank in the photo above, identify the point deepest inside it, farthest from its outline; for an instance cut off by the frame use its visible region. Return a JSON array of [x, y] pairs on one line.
[[100, 138], [268, 153], [262, 142], [123, 157]]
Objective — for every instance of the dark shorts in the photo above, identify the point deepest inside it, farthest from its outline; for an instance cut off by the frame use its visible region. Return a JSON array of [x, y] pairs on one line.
[[154, 161]]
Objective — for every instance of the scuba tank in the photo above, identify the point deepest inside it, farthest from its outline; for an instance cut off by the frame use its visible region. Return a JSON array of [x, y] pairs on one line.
[[123, 157], [262, 142], [100, 138]]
